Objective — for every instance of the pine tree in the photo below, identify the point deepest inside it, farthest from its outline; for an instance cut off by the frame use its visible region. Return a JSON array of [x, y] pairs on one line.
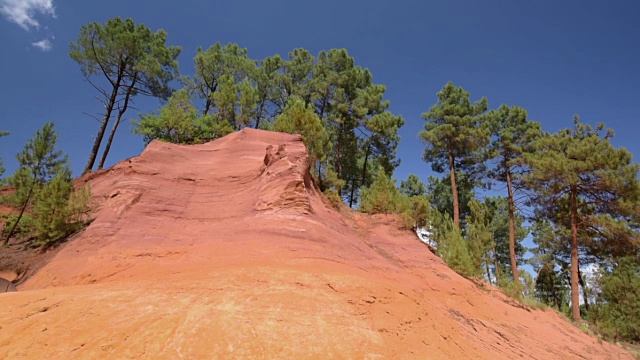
[[266, 77], [226, 98], [578, 173], [513, 137], [412, 186], [417, 207], [619, 314], [454, 249], [480, 236], [215, 63], [39, 163], [382, 197], [132, 59], [58, 210], [454, 134]]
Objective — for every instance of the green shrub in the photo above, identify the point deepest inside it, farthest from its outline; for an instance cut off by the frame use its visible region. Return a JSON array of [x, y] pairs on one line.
[[58, 210], [417, 210], [454, 250], [180, 122], [382, 197]]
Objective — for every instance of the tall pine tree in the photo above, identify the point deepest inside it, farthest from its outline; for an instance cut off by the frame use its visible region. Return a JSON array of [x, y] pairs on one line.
[[579, 173], [454, 134], [513, 136]]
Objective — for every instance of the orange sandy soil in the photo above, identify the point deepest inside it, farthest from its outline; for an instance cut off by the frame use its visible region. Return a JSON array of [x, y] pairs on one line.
[[200, 252]]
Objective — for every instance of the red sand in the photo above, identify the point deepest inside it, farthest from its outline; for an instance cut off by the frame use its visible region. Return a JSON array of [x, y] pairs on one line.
[[195, 252]]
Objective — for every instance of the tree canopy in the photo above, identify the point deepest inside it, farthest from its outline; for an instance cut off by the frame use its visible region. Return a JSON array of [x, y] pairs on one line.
[[128, 60]]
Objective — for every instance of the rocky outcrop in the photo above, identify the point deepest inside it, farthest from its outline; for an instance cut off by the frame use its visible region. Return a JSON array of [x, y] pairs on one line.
[[285, 183]]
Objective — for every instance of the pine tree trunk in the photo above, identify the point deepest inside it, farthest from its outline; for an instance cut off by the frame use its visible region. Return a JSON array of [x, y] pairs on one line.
[[454, 192], [115, 125], [207, 106], [584, 289], [98, 141], [512, 230], [259, 113], [575, 298], [353, 190], [105, 121]]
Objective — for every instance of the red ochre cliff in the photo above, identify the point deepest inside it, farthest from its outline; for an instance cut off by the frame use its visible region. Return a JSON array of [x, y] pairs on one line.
[[227, 250]]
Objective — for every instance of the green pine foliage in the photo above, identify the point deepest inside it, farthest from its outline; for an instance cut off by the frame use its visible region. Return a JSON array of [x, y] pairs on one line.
[[298, 118], [549, 261], [132, 59], [43, 184], [450, 244], [454, 135], [454, 250], [500, 226], [591, 189], [222, 69], [382, 197], [439, 192], [618, 315], [480, 236], [351, 108], [417, 212], [180, 122], [332, 186], [58, 210], [412, 186], [513, 136]]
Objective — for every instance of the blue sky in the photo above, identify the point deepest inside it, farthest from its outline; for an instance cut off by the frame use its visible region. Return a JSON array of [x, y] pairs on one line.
[[554, 58]]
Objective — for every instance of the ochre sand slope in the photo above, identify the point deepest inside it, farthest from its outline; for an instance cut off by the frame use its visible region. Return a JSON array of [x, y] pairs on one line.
[[205, 252]]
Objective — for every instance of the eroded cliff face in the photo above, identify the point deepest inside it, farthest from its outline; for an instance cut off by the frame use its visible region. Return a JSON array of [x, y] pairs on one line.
[[227, 250]]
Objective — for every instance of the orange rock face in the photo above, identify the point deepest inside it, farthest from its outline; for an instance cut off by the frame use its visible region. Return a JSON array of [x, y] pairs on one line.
[[218, 251]]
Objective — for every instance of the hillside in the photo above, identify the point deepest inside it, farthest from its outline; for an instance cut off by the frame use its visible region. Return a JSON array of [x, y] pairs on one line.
[[220, 251]]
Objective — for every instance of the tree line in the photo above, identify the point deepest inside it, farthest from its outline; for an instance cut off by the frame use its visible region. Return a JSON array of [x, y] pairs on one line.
[[580, 193], [346, 123]]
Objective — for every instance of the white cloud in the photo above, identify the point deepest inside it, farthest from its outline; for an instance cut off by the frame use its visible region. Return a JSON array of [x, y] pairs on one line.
[[22, 12], [44, 45]]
